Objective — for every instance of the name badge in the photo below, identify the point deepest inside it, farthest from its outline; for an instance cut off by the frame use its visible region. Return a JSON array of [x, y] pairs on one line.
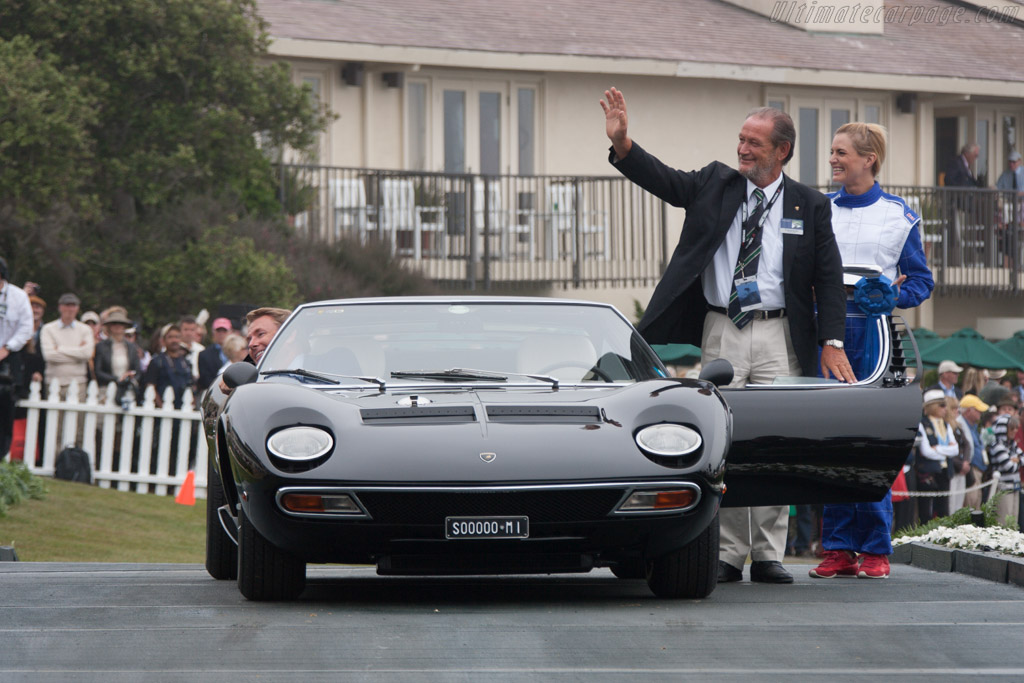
[[747, 292], [792, 226]]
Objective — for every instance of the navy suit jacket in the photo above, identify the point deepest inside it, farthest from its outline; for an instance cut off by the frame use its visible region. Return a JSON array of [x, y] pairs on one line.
[[812, 268]]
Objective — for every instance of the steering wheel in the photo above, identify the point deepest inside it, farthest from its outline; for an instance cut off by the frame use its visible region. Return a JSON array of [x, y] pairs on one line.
[[598, 372]]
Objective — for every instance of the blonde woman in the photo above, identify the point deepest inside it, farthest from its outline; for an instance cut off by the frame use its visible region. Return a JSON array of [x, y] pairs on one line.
[[974, 380], [871, 227]]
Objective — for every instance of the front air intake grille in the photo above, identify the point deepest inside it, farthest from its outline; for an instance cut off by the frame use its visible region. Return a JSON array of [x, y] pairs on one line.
[[431, 507]]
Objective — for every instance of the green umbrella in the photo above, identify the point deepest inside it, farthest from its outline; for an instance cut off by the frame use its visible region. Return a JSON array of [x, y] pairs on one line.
[[967, 347], [677, 354], [1014, 346], [925, 338]]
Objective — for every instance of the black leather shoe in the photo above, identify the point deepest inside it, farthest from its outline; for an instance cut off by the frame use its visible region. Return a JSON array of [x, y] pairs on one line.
[[728, 573], [767, 572]]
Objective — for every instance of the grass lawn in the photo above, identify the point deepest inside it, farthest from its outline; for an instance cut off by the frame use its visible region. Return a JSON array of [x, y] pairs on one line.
[[81, 523]]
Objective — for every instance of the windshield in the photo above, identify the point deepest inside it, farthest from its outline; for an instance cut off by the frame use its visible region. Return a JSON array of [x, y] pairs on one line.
[[568, 342]]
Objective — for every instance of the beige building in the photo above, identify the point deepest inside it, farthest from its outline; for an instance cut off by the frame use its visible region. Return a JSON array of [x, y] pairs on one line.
[[511, 89]]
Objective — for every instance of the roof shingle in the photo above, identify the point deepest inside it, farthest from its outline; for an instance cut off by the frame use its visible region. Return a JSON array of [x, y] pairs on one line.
[[708, 31]]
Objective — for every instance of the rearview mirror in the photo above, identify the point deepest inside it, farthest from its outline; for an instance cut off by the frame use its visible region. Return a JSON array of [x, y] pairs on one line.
[[719, 372], [241, 373]]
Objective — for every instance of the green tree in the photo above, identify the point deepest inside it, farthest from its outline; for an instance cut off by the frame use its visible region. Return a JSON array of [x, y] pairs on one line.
[[45, 146], [181, 90], [115, 115]]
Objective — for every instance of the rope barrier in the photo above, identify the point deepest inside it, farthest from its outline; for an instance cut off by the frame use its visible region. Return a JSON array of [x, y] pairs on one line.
[[946, 494]]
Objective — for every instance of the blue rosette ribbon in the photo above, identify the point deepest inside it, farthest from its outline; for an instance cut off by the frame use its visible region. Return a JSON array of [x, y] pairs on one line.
[[875, 297]]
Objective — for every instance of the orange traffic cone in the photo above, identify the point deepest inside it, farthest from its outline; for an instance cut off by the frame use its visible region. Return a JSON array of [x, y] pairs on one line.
[[187, 492]]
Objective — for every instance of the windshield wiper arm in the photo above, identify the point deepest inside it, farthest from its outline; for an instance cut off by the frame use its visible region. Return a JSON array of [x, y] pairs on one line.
[[452, 374], [327, 378]]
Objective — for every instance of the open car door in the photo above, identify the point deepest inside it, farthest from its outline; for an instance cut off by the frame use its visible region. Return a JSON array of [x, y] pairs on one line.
[[805, 440]]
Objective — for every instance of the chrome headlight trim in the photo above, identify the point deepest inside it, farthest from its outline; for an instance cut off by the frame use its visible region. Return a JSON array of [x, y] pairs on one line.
[[668, 439], [300, 443]]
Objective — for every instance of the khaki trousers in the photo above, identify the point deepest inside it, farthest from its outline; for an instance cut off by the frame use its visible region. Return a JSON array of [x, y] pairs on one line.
[[1007, 506], [760, 352]]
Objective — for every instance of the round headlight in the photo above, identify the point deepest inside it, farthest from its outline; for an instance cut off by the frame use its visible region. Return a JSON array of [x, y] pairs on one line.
[[300, 443], [668, 439]]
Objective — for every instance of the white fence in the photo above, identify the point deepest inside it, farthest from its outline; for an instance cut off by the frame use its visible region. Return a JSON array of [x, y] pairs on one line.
[[144, 448]]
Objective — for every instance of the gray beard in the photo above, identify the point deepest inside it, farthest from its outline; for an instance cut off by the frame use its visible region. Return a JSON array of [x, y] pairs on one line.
[[759, 175]]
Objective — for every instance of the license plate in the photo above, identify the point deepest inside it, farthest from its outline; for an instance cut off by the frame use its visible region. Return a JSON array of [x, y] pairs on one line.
[[486, 527]]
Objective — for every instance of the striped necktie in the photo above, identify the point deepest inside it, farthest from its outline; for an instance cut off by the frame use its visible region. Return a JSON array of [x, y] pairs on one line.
[[746, 264]]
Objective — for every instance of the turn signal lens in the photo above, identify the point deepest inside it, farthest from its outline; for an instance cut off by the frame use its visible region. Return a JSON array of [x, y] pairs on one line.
[[314, 503], [298, 502], [641, 501]]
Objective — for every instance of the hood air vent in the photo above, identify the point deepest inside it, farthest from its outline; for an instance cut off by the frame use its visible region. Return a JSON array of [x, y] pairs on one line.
[[418, 415], [542, 413]]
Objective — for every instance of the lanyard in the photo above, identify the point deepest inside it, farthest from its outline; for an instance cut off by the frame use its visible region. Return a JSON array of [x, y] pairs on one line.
[[767, 208]]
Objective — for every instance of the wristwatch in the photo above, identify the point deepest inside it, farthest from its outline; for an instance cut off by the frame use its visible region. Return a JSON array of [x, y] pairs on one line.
[[834, 343]]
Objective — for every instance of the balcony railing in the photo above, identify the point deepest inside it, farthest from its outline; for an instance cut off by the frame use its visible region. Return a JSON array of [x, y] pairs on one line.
[[475, 231], [480, 231], [972, 238]]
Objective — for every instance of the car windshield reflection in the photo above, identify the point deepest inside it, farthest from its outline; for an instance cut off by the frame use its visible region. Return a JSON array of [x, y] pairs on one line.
[[550, 342]]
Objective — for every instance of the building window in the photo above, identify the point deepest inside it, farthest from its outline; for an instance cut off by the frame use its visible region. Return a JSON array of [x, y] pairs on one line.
[[416, 94], [872, 113], [807, 145], [1009, 136], [454, 131], [981, 165], [840, 117], [490, 133], [526, 99], [471, 126], [316, 153]]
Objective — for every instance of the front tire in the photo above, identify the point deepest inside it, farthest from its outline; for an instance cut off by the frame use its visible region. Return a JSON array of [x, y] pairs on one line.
[[689, 572], [264, 572], [221, 551]]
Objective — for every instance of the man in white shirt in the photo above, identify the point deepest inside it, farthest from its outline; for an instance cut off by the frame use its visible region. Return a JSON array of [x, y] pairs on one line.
[[67, 347], [15, 330], [735, 284]]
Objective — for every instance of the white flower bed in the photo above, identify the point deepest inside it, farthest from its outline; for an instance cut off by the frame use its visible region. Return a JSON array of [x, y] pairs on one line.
[[970, 537]]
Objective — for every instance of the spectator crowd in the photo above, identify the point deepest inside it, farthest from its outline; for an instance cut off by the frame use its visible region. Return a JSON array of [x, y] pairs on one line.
[[109, 347], [970, 445]]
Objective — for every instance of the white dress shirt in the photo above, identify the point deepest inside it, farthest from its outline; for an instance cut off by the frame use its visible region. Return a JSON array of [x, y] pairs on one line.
[[717, 280]]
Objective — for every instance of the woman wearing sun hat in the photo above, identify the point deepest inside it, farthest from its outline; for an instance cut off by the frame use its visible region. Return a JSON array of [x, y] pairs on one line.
[[117, 359]]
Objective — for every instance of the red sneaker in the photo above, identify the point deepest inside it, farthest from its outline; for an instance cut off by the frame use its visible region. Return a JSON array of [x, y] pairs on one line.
[[874, 567], [836, 563]]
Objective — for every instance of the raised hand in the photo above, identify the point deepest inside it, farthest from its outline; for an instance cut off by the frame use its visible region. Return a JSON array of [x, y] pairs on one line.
[[616, 122]]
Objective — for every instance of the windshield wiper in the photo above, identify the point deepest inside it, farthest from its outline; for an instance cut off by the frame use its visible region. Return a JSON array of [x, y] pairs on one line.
[[452, 374], [455, 374], [327, 378]]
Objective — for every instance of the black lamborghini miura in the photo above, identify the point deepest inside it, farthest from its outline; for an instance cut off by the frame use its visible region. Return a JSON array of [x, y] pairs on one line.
[[456, 435]]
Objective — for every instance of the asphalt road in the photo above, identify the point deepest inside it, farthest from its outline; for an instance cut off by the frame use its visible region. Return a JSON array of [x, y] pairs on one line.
[[109, 622]]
